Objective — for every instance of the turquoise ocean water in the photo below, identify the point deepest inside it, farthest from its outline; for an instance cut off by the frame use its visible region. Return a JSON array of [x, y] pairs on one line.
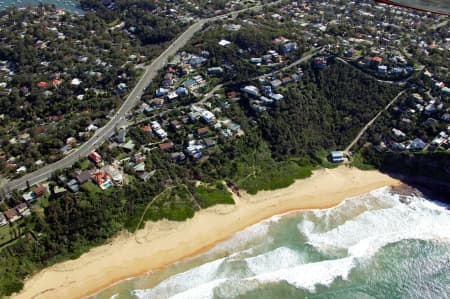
[[68, 5], [379, 245]]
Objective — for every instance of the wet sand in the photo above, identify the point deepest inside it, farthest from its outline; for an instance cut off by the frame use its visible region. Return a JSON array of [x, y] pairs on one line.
[[164, 242]]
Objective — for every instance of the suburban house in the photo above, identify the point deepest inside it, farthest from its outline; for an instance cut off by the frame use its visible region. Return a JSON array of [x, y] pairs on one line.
[[95, 157], [12, 215], [416, 145], [215, 70], [73, 185], [23, 210], [158, 130], [289, 47], [83, 176], [250, 89], [114, 173], [140, 167], [166, 146], [337, 156], [39, 191], [3, 220], [31, 196], [202, 131], [177, 157], [102, 180], [120, 136], [129, 146]]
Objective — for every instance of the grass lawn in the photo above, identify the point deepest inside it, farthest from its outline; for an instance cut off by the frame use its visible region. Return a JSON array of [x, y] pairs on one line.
[[358, 162], [85, 164], [6, 234], [90, 188], [209, 196], [271, 177], [322, 157]]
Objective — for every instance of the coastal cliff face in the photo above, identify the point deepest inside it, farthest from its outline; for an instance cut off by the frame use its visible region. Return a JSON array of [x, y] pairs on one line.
[[430, 171]]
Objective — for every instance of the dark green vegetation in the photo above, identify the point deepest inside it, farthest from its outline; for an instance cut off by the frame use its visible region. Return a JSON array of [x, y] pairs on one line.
[[248, 42], [275, 176], [327, 108], [64, 72], [143, 17], [321, 112], [429, 170], [43, 104], [207, 196], [277, 148]]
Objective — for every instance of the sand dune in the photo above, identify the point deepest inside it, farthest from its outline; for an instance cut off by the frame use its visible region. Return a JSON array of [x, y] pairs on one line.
[[164, 242]]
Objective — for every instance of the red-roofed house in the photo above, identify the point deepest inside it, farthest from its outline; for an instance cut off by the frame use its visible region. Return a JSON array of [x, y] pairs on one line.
[[55, 83], [94, 156], [279, 40], [41, 84], [377, 59], [12, 215], [39, 191], [147, 128], [166, 146], [103, 180]]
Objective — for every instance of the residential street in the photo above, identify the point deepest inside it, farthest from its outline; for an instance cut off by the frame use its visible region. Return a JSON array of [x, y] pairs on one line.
[[119, 119]]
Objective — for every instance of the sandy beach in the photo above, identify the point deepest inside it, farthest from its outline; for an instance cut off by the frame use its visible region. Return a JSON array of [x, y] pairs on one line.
[[162, 243]]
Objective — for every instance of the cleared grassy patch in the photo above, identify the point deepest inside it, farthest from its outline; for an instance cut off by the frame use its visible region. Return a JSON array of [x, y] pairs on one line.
[[176, 204], [6, 234], [208, 196], [358, 162], [85, 164], [271, 177], [90, 188]]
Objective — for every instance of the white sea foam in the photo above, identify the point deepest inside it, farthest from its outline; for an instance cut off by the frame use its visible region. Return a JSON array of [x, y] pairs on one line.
[[199, 277], [280, 258], [364, 234], [357, 227], [203, 291], [307, 276], [257, 233]]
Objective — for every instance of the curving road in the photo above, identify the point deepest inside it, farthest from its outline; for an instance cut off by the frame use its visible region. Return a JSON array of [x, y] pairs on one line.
[[119, 118]]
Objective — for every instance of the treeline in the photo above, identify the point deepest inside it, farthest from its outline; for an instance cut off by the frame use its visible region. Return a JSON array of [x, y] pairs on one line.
[[61, 74], [70, 225], [325, 110], [429, 170], [148, 20]]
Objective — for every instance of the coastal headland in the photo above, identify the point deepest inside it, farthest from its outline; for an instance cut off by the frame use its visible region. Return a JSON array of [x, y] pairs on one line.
[[162, 243]]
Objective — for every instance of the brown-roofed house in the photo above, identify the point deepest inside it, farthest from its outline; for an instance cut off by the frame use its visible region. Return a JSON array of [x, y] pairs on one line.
[[165, 146], [83, 177], [231, 95], [12, 215], [203, 131], [39, 191], [175, 124], [23, 209], [377, 59]]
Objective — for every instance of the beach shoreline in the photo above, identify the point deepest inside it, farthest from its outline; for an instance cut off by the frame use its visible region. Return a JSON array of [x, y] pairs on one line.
[[163, 243]]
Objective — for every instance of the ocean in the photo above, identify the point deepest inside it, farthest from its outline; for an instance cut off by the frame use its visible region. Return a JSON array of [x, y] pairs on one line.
[[68, 5], [380, 245], [442, 6]]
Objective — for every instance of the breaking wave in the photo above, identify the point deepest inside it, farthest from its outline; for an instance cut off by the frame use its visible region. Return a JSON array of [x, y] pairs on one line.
[[321, 246]]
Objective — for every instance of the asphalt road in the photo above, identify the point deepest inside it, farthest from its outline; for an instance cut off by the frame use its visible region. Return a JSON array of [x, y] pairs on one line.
[[116, 121], [119, 119]]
